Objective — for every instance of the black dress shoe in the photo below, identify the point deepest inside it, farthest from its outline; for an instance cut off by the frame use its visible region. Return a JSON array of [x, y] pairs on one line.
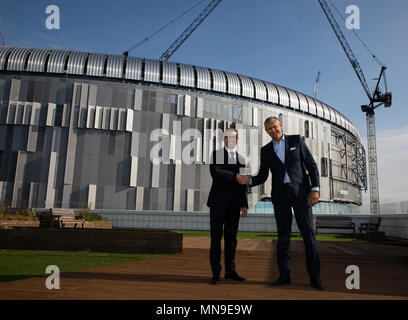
[[215, 280], [234, 276], [317, 283], [282, 280]]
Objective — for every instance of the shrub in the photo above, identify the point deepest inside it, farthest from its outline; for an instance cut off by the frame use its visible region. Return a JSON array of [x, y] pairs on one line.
[[24, 214], [91, 217]]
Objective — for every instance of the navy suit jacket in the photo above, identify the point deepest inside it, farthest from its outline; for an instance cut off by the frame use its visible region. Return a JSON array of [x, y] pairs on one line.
[[225, 190], [297, 159]]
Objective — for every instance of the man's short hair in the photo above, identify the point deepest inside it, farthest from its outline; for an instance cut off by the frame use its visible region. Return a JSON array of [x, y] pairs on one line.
[[230, 130], [270, 119]]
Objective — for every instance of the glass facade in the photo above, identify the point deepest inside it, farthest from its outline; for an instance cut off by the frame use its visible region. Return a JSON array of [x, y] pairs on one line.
[[321, 207]]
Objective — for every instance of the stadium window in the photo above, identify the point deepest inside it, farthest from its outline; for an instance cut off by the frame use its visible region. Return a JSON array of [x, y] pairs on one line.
[[306, 128], [111, 143], [173, 98], [58, 115], [324, 171]]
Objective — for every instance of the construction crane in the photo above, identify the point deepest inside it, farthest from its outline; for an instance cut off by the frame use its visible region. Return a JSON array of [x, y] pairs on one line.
[[126, 53], [376, 97], [190, 29], [316, 85]]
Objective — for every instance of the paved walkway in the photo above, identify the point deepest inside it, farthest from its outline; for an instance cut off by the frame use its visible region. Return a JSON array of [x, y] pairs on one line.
[[383, 273]]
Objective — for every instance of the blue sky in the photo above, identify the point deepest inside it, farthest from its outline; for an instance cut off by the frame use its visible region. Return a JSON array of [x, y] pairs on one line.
[[282, 41]]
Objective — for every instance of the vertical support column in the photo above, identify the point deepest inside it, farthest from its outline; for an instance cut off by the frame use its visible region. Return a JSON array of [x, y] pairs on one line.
[[138, 100], [177, 184], [3, 186], [72, 139], [91, 196], [49, 198], [190, 200], [33, 197], [18, 180], [129, 120], [139, 198], [187, 105]]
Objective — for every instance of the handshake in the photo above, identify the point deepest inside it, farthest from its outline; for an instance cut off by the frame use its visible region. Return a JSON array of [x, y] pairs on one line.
[[242, 179]]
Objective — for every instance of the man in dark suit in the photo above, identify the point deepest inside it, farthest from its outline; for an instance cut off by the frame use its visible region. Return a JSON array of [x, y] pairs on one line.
[[286, 157], [228, 196]]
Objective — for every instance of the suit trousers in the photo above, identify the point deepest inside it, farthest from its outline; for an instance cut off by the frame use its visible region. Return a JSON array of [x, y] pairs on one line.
[[226, 218], [304, 218]]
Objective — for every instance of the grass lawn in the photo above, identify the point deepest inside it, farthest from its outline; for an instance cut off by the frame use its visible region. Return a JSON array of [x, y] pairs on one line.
[[266, 235], [20, 264]]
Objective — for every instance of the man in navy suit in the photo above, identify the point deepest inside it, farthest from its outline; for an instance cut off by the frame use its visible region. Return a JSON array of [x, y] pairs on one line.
[[286, 157], [228, 196]]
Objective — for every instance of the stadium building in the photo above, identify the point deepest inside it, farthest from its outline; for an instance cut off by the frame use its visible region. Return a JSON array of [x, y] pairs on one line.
[[77, 130]]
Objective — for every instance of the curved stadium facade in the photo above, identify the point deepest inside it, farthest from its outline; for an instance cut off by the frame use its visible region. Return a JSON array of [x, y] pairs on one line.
[[77, 129]]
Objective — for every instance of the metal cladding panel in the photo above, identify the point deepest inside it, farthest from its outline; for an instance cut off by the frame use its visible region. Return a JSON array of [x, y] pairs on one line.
[[283, 96], [4, 51], [342, 121], [348, 125], [338, 121], [152, 70], [186, 75], [234, 86], [312, 105], [219, 82], [260, 90], [56, 61], [303, 102], [334, 119], [133, 68], [294, 100], [36, 61], [273, 95], [114, 67], [76, 62], [17, 59], [319, 109], [203, 78], [96, 63], [326, 113], [169, 72], [332, 116], [247, 87]]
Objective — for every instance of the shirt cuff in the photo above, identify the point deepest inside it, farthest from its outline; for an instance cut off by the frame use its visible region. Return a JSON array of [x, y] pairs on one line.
[[316, 189], [250, 182]]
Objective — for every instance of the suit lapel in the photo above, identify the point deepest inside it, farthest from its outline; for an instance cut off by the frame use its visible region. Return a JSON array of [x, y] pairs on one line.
[[286, 147]]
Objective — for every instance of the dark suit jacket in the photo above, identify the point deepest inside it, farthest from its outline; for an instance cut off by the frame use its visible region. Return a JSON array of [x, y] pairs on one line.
[[225, 190], [297, 157]]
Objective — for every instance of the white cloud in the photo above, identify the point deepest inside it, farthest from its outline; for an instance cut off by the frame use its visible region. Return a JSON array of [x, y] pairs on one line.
[[392, 159]]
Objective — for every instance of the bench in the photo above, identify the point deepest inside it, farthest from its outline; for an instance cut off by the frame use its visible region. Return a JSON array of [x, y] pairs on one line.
[[335, 222], [65, 218], [372, 226]]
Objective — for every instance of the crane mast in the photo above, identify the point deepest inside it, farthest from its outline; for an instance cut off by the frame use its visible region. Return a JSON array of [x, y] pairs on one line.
[[316, 85], [190, 29], [377, 96]]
